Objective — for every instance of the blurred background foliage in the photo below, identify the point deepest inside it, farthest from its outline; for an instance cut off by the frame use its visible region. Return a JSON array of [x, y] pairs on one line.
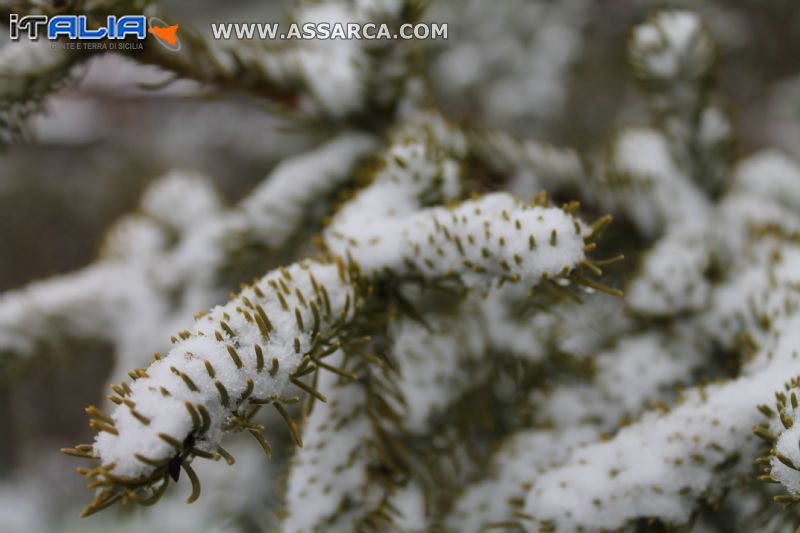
[[105, 138]]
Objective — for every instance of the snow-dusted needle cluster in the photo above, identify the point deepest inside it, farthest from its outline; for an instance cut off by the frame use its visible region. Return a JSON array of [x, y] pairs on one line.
[[424, 304], [245, 354]]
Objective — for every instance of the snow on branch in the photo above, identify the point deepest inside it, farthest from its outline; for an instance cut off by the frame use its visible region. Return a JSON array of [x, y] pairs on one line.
[[658, 467], [673, 57], [165, 251], [672, 278], [533, 166], [434, 350], [648, 185], [29, 72], [334, 480], [312, 80], [246, 353]]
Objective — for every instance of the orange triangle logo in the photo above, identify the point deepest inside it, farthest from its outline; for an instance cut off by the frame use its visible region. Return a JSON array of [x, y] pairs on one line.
[[167, 33]]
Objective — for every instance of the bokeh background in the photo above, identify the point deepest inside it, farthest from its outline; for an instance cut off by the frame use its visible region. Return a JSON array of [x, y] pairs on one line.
[[551, 70]]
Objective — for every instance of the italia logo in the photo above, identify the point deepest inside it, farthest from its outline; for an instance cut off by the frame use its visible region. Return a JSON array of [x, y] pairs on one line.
[[76, 27], [166, 35]]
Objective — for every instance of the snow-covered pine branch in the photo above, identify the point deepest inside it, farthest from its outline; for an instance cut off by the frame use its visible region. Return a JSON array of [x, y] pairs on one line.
[[247, 352], [673, 57], [30, 71], [436, 313], [534, 166], [355, 462], [164, 252], [335, 80], [659, 466]]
